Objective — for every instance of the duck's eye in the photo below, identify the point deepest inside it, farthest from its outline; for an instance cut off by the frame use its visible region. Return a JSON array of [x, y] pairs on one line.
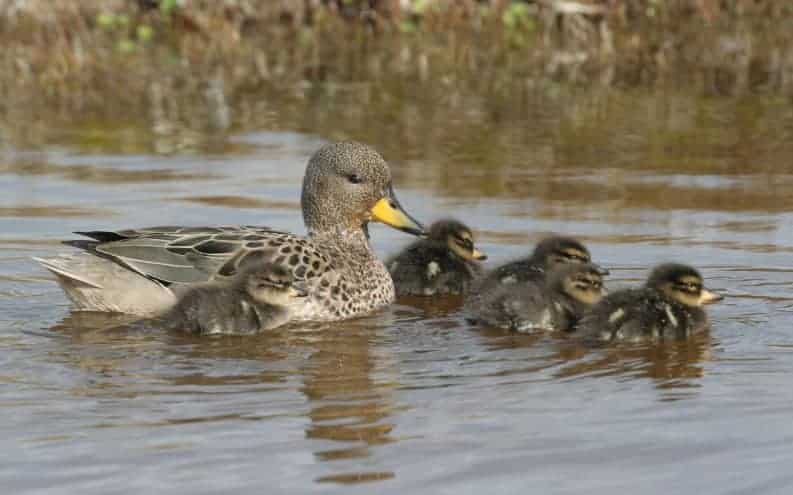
[[355, 178]]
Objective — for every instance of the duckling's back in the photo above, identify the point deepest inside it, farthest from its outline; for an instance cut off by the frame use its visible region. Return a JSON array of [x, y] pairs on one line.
[[636, 315], [214, 309], [522, 271], [428, 268], [524, 307]]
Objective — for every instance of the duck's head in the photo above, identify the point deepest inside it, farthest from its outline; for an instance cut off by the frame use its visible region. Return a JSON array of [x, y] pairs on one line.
[[270, 284], [555, 251], [457, 237], [582, 282], [683, 284], [348, 184]]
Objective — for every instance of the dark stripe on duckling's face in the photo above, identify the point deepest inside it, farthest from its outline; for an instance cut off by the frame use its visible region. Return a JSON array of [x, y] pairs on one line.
[[273, 290], [583, 283], [462, 243], [556, 251], [576, 255], [258, 282], [688, 290], [566, 256], [271, 283]]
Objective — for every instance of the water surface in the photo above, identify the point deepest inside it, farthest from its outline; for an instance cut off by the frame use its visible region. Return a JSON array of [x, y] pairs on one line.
[[414, 399]]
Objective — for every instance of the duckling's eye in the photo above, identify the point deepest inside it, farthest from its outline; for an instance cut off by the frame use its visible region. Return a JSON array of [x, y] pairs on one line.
[[278, 284], [355, 178], [690, 287], [574, 257], [465, 243]]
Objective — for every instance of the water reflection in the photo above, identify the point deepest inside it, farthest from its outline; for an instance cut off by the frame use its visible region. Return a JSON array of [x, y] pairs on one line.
[[241, 202], [96, 174], [348, 383], [671, 364], [428, 307], [350, 388]]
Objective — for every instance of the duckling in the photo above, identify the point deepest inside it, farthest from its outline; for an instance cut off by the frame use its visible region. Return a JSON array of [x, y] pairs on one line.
[[444, 263], [548, 254], [670, 305], [256, 299], [555, 305]]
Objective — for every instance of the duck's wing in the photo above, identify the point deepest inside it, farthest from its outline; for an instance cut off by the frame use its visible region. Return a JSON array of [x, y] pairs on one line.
[[185, 255]]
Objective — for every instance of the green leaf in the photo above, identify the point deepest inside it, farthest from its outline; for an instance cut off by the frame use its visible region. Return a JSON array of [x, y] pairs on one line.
[[516, 15], [168, 6], [127, 46], [106, 20], [145, 33], [408, 26]]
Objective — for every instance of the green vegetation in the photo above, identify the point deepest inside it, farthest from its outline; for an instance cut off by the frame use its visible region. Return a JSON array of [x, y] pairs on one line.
[[195, 63]]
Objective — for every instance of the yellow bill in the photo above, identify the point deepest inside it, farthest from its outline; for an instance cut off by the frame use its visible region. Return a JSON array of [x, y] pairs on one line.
[[388, 211]]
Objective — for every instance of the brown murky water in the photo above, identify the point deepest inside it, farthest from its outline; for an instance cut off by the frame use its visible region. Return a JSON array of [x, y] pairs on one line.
[[414, 400]]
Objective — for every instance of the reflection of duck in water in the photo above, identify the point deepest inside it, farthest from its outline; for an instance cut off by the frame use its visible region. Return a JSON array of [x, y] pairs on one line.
[[444, 263], [257, 299], [668, 306], [346, 185], [532, 306]]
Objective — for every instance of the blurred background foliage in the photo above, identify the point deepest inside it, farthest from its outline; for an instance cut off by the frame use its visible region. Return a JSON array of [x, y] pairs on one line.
[[210, 65]]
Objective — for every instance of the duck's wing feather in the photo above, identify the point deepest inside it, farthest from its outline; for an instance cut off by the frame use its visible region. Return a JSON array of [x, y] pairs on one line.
[[185, 255]]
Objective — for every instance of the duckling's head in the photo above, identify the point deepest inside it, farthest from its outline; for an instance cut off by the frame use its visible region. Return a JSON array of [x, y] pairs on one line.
[[683, 284], [270, 284], [555, 251], [346, 185], [457, 237], [582, 282]]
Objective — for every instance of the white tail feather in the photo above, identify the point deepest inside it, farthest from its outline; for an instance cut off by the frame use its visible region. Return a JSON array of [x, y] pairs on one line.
[[59, 266], [98, 284]]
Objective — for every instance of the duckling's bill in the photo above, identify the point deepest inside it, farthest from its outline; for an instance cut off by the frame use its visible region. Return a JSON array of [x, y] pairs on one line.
[[709, 297], [478, 255], [388, 211]]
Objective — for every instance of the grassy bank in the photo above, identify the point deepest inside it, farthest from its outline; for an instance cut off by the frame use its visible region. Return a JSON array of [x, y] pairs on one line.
[[212, 65]]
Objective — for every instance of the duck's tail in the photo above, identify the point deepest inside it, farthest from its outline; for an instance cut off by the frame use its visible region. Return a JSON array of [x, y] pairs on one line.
[[93, 283]]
